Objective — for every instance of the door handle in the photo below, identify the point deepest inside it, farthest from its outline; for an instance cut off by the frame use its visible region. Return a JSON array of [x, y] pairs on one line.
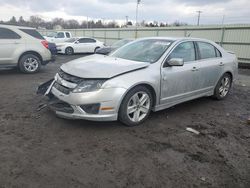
[[16, 42], [194, 69], [221, 64]]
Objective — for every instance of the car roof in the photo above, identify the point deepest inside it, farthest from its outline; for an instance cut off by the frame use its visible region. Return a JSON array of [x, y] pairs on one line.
[[15, 27], [176, 38], [85, 37]]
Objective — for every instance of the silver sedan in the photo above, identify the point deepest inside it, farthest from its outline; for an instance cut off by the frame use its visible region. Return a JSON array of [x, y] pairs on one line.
[[149, 74]]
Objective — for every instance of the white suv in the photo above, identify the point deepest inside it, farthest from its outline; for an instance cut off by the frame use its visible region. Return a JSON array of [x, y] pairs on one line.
[[23, 47]]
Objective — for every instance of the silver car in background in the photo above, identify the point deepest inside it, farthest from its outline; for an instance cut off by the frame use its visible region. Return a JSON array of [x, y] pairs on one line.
[[149, 74]]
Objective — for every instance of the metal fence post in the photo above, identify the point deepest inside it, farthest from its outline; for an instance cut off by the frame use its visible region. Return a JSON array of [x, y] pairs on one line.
[[105, 36], [119, 34], [157, 32], [185, 32], [222, 36]]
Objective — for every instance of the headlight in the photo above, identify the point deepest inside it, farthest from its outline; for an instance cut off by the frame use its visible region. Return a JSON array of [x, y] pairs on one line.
[[88, 86]]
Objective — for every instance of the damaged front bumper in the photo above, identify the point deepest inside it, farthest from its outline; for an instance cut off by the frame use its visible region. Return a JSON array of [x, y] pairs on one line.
[[101, 105]]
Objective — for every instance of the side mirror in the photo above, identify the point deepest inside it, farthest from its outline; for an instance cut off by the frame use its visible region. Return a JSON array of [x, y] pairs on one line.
[[176, 62], [77, 42]]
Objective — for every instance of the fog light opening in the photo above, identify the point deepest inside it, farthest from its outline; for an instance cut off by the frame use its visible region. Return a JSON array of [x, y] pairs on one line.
[[91, 108]]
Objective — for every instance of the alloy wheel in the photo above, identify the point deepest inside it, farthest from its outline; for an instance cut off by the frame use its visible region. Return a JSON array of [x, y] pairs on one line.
[[31, 64], [138, 106], [224, 86]]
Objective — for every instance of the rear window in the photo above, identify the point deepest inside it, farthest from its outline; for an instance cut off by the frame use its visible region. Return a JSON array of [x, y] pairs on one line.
[[33, 33], [67, 35], [8, 34]]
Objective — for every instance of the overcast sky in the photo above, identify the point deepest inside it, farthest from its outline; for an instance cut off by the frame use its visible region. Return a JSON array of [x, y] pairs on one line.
[[235, 11]]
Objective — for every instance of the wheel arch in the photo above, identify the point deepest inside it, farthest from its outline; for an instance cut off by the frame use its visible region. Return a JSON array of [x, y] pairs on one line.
[[230, 73], [30, 52], [148, 86]]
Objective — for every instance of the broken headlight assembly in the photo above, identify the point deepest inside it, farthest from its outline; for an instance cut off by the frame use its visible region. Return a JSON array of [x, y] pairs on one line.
[[88, 86]]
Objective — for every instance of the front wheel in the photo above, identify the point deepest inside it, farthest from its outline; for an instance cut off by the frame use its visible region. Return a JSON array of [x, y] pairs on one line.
[[136, 106], [69, 51], [223, 87]]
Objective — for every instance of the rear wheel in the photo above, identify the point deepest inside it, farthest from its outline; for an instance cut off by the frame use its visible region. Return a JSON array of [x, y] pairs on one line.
[[69, 51], [223, 87], [136, 106], [29, 63]]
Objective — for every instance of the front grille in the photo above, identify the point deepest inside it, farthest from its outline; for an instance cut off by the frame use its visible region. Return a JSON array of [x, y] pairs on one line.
[[70, 78], [61, 88]]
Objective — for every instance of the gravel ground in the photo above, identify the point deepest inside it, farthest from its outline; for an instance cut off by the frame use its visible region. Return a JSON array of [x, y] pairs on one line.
[[37, 149]]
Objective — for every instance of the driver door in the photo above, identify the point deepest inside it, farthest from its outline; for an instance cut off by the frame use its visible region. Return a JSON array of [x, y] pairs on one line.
[[179, 83]]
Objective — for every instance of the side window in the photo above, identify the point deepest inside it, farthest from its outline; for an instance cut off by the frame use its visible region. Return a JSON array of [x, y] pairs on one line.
[[218, 53], [87, 40], [206, 50], [185, 51], [67, 35], [33, 33], [8, 34], [91, 41], [60, 35], [82, 40]]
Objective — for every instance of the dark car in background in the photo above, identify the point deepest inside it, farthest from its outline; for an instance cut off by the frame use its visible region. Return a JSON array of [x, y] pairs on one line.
[[53, 50], [107, 49]]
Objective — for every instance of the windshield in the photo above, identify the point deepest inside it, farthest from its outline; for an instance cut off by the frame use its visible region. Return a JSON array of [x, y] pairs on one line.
[[71, 40], [148, 50], [53, 34], [120, 43]]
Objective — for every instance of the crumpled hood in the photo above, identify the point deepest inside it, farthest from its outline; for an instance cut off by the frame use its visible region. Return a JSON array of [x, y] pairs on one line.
[[99, 66]]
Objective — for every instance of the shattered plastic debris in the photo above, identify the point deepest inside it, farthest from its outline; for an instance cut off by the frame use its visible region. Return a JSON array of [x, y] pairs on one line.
[[192, 130], [41, 106], [203, 178]]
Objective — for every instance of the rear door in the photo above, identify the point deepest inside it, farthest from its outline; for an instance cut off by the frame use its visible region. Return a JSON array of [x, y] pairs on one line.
[[210, 65], [10, 41]]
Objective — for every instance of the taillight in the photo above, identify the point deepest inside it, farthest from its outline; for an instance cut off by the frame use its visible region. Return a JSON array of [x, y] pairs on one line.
[[45, 43]]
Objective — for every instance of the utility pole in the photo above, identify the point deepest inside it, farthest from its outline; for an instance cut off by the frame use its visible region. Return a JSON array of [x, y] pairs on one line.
[[136, 17], [87, 22], [199, 15], [223, 20], [126, 20]]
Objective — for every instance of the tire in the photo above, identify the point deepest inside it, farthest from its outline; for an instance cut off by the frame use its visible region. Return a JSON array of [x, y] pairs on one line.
[[139, 111], [96, 49], [29, 63], [223, 87], [69, 51]]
